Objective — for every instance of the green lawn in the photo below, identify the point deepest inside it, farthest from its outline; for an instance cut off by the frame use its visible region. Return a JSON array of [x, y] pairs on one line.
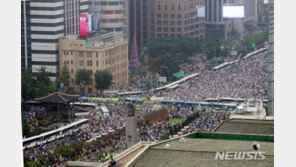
[[179, 120]]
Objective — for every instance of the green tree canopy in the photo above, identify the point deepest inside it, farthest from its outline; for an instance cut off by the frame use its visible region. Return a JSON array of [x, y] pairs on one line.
[[28, 85], [36, 85], [182, 48], [64, 76], [43, 84], [82, 77], [103, 80], [165, 65]]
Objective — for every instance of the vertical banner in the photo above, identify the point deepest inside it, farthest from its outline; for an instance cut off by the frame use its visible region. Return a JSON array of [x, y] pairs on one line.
[[83, 25], [88, 23]]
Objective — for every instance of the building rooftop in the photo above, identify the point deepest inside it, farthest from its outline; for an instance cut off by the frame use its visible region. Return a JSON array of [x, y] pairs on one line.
[[241, 126], [201, 152], [100, 39], [199, 149]]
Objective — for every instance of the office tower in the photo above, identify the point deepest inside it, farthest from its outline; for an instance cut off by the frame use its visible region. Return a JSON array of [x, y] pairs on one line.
[[113, 13], [43, 22]]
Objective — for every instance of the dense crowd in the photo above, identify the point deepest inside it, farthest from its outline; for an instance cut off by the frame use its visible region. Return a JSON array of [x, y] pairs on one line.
[[208, 121], [153, 132], [139, 80], [35, 113], [245, 79]]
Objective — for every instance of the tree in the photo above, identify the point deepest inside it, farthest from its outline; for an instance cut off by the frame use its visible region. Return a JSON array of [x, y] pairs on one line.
[[64, 76], [182, 48], [82, 77], [43, 84], [103, 80], [25, 126], [157, 63], [170, 66], [27, 85]]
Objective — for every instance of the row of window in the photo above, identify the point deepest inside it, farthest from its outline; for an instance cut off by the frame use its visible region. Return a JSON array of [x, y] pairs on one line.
[[166, 29], [108, 3], [89, 54], [165, 22], [107, 61], [172, 7], [178, 35], [179, 16]]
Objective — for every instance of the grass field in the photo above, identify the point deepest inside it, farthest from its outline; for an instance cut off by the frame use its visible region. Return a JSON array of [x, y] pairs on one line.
[[176, 120]]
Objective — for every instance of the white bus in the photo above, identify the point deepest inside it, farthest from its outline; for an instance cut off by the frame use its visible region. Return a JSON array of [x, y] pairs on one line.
[[53, 135]]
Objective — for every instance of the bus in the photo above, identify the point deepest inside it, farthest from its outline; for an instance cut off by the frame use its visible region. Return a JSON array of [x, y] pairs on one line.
[[53, 135], [82, 108], [212, 100]]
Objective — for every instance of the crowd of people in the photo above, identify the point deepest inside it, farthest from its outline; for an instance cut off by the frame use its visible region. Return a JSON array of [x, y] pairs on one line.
[[139, 80], [33, 117], [246, 79], [154, 131], [208, 121]]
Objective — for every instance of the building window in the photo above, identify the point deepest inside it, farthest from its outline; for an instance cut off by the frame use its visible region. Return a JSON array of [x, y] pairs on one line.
[[165, 16], [88, 54], [158, 22], [179, 35], [158, 15], [165, 29], [173, 7], [81, 62], [158, 29], [89, 63], [159, 7], [179, 22], [81, 53], [97, 54], [172, 22], [71, 71], [172, 29], [158, 35], [172, 15], [165, 7], [71, 61], [179, 7], [179, 29], [165, 22], [179, 16]]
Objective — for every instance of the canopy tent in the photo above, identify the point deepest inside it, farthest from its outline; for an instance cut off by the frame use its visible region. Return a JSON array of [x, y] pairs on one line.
[[82, 98]]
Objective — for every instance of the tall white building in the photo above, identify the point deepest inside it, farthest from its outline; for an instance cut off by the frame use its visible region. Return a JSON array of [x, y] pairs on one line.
[[43, 22]]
